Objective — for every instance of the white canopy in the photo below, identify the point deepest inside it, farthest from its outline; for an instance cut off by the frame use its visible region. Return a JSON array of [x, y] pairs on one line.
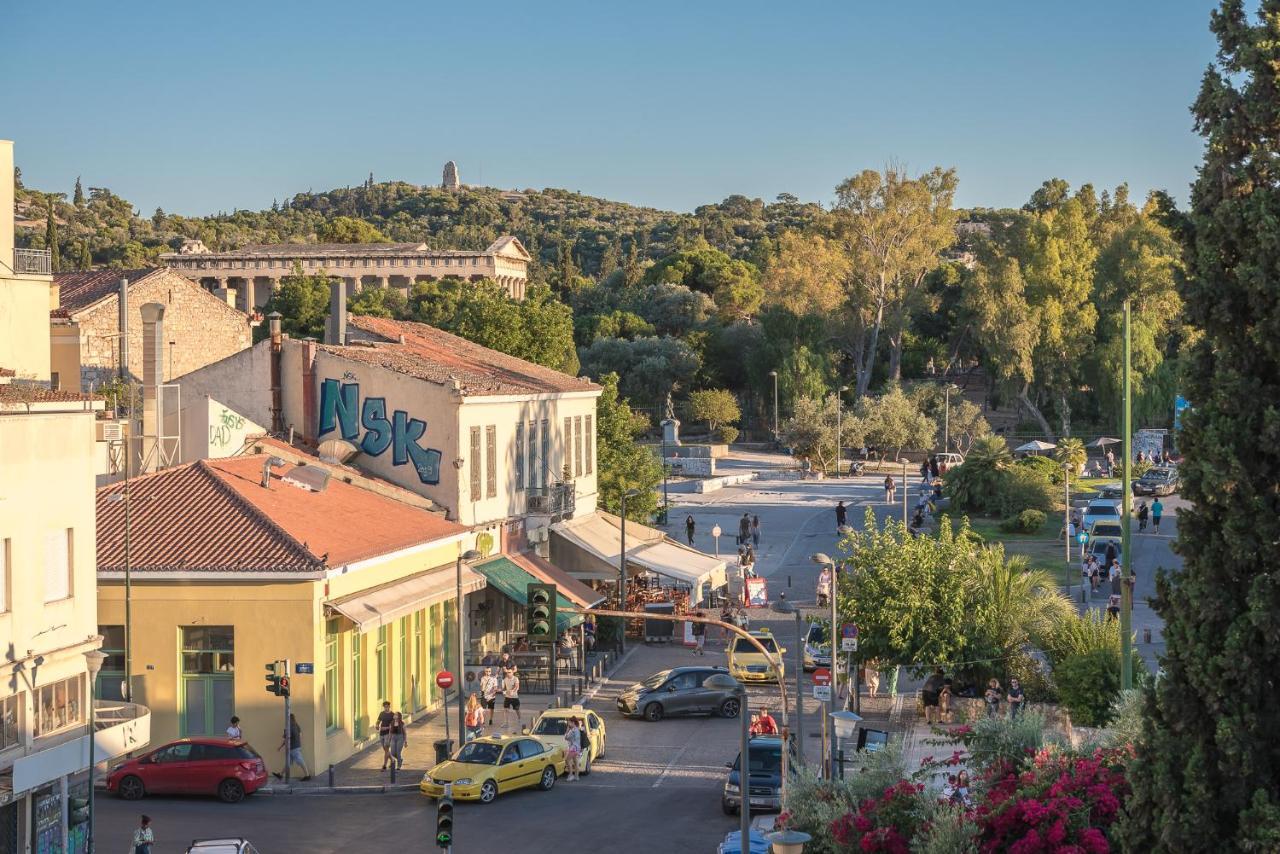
[[382, 605], [680, 563], [1035, 447]]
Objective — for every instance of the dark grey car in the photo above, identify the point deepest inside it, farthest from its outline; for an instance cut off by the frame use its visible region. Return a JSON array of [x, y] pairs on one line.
[[677, 691]]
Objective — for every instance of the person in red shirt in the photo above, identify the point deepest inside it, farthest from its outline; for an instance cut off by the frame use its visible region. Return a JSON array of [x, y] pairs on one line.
[[764, 724]]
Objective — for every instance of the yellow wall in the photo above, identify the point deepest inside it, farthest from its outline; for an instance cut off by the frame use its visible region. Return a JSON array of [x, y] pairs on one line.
[[24, 325]]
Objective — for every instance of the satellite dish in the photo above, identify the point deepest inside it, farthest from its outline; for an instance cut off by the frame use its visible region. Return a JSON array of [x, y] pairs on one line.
[[336, 450]]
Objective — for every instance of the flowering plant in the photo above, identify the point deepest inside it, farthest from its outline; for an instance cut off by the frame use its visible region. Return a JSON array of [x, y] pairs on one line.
[[887, 823]]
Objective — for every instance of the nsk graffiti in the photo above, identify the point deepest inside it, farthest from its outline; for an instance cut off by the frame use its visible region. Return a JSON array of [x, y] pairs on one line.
[[339, 403]]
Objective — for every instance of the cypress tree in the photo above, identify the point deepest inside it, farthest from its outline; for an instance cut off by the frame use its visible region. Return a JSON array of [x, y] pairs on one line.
[[1207, 773], [78, 198], [51, 238]]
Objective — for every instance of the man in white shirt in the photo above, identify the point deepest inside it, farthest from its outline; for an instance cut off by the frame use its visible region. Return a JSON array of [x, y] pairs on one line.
[[488, 693], [511, 697], [234, 730]]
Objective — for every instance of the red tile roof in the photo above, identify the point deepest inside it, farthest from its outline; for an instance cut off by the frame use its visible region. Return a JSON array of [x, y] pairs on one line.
[[8, 372], [215, 516], [20, 393], [80, 290], [436, 356]]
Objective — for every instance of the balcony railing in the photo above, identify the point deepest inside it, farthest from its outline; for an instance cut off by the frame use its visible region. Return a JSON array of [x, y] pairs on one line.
[[555, 500], [36, 261]]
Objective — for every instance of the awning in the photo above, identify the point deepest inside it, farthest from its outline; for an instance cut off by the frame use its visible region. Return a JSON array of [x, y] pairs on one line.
[[681, 563], [597, 540], [382, 605], [513, 581], [573, 589]]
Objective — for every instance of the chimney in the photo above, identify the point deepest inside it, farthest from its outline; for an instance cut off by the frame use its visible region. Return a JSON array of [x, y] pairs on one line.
[[6, 204], [124, 330], [277, 393], [152, 394], [335, 330]]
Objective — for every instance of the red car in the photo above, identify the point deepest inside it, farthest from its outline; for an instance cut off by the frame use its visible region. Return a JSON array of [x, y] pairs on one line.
[[226, 767]]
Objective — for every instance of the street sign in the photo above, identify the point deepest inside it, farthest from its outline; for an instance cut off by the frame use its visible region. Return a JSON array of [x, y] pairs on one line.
[[444, 679], [1082, 537], [304, 667], [822, 676], [848, 638], [822, 693]]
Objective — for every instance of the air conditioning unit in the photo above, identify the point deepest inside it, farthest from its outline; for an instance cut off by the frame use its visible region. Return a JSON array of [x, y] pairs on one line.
[[110, 431]]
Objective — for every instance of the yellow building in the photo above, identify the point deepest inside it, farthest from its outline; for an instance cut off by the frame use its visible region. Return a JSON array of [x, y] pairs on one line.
[[238, 562]]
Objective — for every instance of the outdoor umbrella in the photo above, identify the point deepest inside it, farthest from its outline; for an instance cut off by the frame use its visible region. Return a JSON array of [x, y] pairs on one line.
[[1035, 447], [1102, 442]]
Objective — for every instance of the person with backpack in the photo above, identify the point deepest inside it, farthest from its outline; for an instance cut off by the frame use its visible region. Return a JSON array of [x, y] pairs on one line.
[[744, 529], [1143, 512], [889, 488]]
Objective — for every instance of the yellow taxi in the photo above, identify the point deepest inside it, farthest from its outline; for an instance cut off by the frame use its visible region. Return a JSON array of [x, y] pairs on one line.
[[483, 769], [550, 726], [748, 664]]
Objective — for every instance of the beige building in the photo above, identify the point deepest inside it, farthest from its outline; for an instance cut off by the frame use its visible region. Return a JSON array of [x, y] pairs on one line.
[[254, 272], [48, 594], [87, 325]]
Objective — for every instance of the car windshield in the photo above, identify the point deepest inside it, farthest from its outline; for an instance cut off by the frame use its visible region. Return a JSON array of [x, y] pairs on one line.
[[551, 726], [818, 635], [764, 760], [1102, 510], [656, 679], [744, 645], [479, 753]]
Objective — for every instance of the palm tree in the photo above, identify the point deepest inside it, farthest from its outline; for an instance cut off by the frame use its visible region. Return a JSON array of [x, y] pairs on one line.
[[1071, 453], [974, 484]]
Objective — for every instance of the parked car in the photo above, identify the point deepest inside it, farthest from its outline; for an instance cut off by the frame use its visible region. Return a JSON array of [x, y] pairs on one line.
[[678, 691], [550, 726], [1098, 548], [748, 664], [949, 461], [1106, 528], [1100, 509], [1157, 481], [484, 768], [1111, 490], [764, 776], [229, 845], [226, 767], [817, 647]]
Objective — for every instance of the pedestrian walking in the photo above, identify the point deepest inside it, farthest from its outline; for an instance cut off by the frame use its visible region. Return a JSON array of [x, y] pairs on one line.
[[1113, 575], [489, 688], [511, 697], [573, 748], [934, 468], [924, 470], [699, 635], [474, 719], [744, 529], [1143, 513], [889, 487], [929, 695], [234, 730], [1157, 510], [399, 738], [1016, 698], [385, 719], [841, 513], [992, 698], [944, 701], [1111, 463], [755, 531], [293, 740], [689, 526], [871, 675], [143, 836]]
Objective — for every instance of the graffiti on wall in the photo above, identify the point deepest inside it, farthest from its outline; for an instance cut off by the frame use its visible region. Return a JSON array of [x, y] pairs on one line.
[[224, 428], [341, 409]]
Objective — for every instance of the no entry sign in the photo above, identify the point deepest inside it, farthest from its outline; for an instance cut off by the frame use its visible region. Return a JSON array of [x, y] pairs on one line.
[[444, 679], [822, 676]]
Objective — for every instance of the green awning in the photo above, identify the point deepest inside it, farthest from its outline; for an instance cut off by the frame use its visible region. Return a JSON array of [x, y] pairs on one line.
[[514, 584]]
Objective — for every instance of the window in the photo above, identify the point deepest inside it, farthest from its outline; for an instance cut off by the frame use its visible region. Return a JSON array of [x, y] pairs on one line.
[[590, 435], [174, 753], [112, 672], [58, 705], [577, 446], [535, 470], [404, 663], [566, 448], [57, 565], [208, 649], [530, 748], [544, 457], [381, 664], [475, 463], [520, 457], [332, 715], [9, 710], [5, 546], [357, 687], [491, 461]]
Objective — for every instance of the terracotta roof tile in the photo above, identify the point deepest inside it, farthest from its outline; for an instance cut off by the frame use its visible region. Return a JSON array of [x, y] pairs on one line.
[[79, 290], [215, 516], [436, 356], [8, 372], [18, 393]]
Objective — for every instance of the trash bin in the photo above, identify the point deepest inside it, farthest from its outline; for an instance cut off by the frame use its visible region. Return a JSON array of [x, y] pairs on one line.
[[444, 749]]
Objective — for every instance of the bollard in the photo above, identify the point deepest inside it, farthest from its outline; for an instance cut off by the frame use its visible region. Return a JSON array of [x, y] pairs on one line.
[[840, 761], [331, 776], [393, 772], [1082, 599], [1146, 634]]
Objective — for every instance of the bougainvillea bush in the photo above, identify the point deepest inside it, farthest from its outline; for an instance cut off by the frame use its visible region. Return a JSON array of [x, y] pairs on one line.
[[887, 824]]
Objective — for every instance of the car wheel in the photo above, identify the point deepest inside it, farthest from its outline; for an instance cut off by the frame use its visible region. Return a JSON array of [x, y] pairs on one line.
[[130, 788], [730, 708], [488, 792], [653, 712], [548, 778], [231, 791], [728, 808]]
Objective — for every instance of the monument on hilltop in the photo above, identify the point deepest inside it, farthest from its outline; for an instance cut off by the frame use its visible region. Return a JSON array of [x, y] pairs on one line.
[[450, 181]]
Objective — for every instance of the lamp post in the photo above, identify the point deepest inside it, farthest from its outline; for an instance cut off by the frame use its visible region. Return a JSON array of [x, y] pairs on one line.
[[622, 569], [666, 500], [845, 725], [725, 682], [774, 374], [823, 560], [946, 417], [715, 533], [466, 557], [784, 607], [787, 841], [904, 462], [94, 659], [839, 432]]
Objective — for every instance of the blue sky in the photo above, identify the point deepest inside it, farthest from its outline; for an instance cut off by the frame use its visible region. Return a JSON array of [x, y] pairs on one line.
[[200, 107]]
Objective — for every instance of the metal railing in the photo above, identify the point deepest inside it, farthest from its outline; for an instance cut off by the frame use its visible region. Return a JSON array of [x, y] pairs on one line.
[[37, 261], [555, 500]]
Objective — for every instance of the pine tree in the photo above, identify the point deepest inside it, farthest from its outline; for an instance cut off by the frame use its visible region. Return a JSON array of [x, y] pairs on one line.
[[1207, 774], [78, 198], [51, 239]]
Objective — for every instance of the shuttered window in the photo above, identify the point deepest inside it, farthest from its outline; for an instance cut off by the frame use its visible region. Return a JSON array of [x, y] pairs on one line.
[[476, 463], [589, 434], [491, 461], [520, 457]]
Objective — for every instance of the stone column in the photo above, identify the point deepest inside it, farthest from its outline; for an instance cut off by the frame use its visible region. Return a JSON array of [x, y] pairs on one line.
[[383, 282], [354, 286], [250, 295]]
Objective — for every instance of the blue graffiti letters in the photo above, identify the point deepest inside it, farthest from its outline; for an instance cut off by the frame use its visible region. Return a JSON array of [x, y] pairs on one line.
[[407, 432], [373, 416], [339, 405]]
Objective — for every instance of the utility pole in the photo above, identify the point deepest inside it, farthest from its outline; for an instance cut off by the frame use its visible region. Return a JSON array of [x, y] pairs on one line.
[[774, 374], [288, 720], [946, 419], [1126, 591]]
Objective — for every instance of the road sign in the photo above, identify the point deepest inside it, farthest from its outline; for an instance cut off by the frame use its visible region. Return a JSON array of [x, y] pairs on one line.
[[444, 679], [822, 676], [1082, 537], [849, 638], [822, 693], [304, 667]]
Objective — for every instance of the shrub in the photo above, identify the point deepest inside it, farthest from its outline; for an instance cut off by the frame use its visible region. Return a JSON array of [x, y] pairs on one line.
[[1088, 684], [727, 435], [952, 830], [999, 745], [1026, 522], [887, 823], [1127, 713], [1048, 467], [1022, 488], [814, 805]]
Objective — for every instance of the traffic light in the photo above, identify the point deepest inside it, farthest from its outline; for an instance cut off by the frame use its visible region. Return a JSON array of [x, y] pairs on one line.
[[540, 612], [444, 822], [284, 686], [77, 811], [274, 679]]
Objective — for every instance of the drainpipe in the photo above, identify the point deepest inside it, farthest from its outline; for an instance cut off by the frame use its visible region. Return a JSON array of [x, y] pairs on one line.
[[277, 344]]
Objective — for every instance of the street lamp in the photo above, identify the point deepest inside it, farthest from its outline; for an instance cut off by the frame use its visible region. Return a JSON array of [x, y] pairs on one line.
[[782, 606], [466, 557], [822, 559], [716, 532], [774, 374], [946, 418], [788, 841], [845, 725], [905, 462], [622, 570], [725, 682], [93, 658], [839, 433]]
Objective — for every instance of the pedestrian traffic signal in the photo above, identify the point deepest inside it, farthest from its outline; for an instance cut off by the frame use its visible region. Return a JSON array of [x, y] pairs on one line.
[[444, 822], [540, 612], [1082, 537], [274, 679], [284, 686]]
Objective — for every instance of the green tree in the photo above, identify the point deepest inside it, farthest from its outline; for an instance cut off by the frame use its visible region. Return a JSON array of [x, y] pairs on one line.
[[974, 485], [623, 464], [811, 430], [806, 274], [380, 302], [345, 229], [1207, 773], [78, 197], [303, 302], [714, 406], [51, 238], [961, 419], [733, 285], [1071, 453], [893, 420], [649, 367]]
